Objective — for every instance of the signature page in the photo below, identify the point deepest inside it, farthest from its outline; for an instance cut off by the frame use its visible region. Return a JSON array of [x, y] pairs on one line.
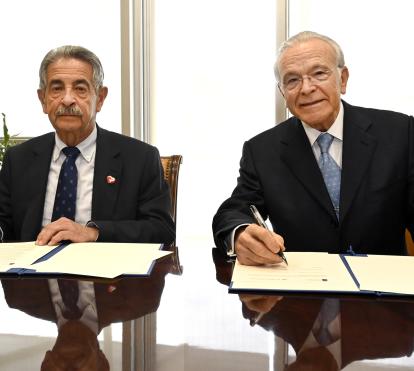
[[307, 271]]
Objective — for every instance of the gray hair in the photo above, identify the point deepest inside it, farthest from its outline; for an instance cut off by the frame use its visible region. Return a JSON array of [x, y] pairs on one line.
[[306, 36], [76, 52]]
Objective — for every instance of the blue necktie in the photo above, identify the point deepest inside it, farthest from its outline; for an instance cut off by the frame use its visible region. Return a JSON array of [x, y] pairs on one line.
[[69, 291], [329, 311], [65, 205], [331, 172], [65, 199]]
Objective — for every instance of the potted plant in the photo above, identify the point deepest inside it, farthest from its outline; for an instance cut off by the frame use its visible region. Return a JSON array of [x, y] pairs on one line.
[[6, 140]]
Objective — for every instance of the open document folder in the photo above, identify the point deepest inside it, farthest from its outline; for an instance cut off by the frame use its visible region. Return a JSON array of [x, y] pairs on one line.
[[95, 259], [329, 273]]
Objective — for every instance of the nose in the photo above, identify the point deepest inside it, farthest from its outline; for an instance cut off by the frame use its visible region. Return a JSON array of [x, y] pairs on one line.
[[68, 98], [307, 85]]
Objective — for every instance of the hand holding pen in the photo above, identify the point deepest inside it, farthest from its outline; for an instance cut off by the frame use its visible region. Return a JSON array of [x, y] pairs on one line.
[[255, 245], [261, 222]]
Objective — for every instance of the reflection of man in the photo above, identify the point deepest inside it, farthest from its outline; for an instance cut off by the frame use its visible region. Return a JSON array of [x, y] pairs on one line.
[[76, 348], [361, 329], [97, 305], [118, 182], [331, 177], [100, 303]]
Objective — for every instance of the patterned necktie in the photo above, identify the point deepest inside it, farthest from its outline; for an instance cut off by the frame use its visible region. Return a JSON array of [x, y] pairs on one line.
[[65, 205], [331, 172], [65, 199], [69, 290], [329, 311]]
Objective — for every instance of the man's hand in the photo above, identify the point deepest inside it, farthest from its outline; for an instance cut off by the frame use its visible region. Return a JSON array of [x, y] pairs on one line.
[[255, 245], [260, 303], [66, 229]]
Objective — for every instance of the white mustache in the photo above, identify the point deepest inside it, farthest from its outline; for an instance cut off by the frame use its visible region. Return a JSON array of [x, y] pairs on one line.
[[69, 111]]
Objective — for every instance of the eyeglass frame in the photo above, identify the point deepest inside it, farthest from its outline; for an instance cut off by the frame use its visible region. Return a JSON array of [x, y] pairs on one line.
[[312, 80]]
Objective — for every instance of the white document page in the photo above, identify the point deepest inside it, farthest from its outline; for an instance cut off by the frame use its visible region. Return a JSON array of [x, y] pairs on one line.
[[307, 271], [106, 260], [20, 254], [384, 273]]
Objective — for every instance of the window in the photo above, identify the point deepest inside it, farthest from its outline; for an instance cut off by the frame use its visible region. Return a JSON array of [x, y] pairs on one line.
[[376, 39], [212, 88], [29, 30]]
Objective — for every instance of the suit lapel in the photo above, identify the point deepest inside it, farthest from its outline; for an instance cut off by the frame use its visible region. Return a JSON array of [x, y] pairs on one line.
[[38, 166], [297, 153], [107, 177], [358, 148]]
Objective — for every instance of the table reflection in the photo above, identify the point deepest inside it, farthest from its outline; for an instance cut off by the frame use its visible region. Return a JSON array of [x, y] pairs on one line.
[[98, 305], [355, 328]]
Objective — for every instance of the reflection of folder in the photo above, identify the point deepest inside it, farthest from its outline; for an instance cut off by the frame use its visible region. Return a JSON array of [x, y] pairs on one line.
[[329, 273], [94, 259]]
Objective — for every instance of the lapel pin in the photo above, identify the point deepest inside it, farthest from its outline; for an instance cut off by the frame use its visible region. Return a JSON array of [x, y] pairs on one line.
[[111, 289], [110, 179]]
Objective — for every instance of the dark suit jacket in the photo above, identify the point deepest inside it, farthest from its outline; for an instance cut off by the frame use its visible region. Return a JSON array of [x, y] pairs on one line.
[[280, 175], [116, 301], [136, 208], [370, 329]]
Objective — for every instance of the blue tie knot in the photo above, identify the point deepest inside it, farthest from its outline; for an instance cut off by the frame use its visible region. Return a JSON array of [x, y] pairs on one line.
[[71, 152], [324, 141]]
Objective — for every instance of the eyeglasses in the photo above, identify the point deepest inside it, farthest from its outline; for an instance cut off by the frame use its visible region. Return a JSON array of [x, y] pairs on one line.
[[316, 77]]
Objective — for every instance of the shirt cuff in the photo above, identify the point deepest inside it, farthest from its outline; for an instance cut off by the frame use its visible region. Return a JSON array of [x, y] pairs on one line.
[[230, 241], [92, 224]]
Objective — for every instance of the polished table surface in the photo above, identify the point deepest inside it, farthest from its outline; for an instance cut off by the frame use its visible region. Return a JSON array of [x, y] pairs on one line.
[[182, 317]]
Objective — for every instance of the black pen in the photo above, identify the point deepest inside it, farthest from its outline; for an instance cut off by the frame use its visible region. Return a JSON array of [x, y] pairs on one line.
[[261, 222]]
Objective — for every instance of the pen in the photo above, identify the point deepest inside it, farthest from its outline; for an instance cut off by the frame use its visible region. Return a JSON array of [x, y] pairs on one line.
[[256, 319], [261, 222]]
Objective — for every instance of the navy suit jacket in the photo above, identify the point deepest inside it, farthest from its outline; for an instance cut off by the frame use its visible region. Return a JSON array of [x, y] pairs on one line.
[[280, 175], [135, 208], [116, 300], [370, 329]]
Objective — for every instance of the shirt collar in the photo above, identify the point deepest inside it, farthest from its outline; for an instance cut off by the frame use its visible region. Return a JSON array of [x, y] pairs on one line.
[[336, 130], [87, 147]]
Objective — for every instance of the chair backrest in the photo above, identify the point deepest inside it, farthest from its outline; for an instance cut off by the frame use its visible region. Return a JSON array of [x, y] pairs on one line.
[[171, 166], [409, 243]]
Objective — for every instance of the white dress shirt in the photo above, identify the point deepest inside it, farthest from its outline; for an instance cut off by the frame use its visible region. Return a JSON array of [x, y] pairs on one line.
[[85, 164], [335, 348], [336, 130], [86, 304]]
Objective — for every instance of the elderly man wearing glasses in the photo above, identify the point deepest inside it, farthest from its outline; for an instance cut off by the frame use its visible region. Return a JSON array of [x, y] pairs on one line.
[[330, 177]]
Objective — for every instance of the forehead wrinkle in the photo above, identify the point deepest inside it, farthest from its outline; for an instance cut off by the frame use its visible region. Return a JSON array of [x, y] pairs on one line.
[[305, 56], [61, 69]]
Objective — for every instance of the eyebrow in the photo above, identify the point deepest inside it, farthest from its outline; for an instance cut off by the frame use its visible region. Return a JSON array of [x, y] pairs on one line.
[[81, 81], [55, 81], [76, 82], [312, 68]]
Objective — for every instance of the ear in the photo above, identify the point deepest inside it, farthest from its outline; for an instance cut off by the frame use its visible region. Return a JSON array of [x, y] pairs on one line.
[[41, 96], [103, 92], [344, 79]]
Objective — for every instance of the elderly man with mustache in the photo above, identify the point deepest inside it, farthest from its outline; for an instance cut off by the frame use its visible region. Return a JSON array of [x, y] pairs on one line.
[[81, 183]]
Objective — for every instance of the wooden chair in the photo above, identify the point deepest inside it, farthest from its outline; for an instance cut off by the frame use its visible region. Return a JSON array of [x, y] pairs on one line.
[[171, 166], [409, 243], [139, 335]]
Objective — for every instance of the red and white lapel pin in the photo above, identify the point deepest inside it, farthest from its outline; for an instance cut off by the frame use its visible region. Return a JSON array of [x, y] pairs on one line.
[[110, 179]]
